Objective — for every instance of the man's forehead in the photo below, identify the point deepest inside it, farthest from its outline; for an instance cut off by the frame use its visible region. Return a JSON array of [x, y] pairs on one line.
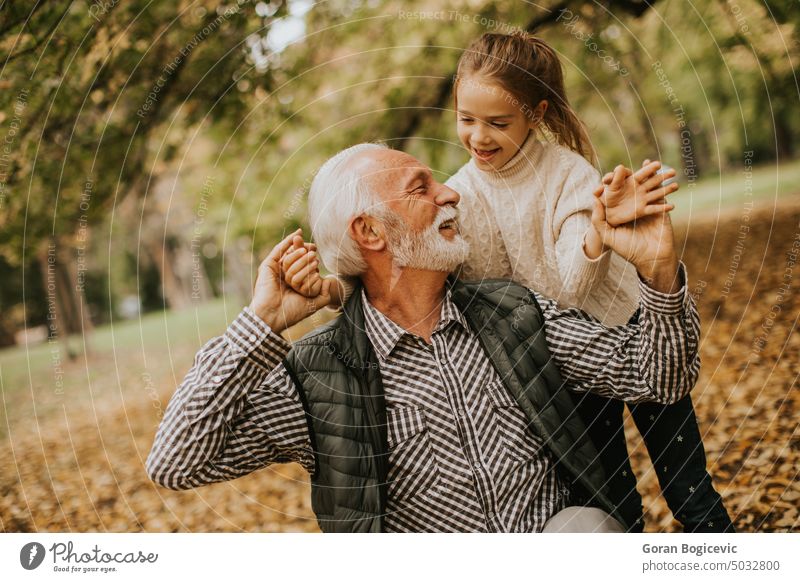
[[382, 162]]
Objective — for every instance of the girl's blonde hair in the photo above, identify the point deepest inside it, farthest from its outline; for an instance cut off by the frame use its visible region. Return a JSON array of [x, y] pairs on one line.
[[529, 69]]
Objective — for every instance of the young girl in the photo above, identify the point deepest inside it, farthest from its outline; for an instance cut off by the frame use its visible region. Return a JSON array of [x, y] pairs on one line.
[[525, 209]]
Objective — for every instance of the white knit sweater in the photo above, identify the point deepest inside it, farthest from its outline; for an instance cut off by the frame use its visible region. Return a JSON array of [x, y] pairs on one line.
[[527, 222]]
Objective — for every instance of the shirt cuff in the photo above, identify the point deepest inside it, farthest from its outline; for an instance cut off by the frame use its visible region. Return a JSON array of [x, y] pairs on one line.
[[249, 334], [665, 303]]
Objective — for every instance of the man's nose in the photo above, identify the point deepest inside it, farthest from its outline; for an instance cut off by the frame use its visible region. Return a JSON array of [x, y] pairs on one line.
[[446, 196]]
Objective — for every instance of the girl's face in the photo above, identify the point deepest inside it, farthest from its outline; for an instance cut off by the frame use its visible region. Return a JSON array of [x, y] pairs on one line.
[[492, 123]]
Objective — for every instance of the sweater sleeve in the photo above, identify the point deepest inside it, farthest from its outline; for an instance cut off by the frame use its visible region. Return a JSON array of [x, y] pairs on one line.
[[572, 218]]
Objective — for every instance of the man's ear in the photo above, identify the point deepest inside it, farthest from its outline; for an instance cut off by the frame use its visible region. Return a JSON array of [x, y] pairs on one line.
[[368, 233]]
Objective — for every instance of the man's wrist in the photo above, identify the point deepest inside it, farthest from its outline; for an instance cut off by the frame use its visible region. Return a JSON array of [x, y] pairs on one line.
[[268, 316], [662, 276], [655, 301]]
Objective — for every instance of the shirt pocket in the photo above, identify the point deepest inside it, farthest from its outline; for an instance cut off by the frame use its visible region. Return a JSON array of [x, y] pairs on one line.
[[518, 439], [413, 471]]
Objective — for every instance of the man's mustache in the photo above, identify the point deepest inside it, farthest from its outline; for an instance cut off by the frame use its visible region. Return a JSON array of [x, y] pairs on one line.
[[447, 213]]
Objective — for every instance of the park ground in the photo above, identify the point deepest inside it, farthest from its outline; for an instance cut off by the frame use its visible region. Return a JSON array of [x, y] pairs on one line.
[[74, 434]]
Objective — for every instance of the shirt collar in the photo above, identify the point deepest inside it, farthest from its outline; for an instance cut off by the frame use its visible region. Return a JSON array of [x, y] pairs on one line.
[[384, 334]]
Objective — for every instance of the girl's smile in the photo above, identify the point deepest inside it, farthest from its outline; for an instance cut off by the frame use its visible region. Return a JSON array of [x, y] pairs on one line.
[[485, 155], [492, 124]]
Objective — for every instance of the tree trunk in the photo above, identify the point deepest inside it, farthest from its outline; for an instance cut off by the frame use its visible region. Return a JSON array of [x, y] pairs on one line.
[[67, 311], [238, 266], [172, 289], [784, 148]]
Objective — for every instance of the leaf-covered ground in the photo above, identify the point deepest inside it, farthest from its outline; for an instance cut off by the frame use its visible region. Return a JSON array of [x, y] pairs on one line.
[[73, 461]]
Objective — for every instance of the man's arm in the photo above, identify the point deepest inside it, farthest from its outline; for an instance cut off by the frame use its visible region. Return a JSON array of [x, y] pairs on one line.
[[236, 411], [655, 359]]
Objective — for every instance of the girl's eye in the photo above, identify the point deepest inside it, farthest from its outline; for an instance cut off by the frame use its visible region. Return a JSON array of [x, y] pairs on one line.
[[500, 125], [465, 119]]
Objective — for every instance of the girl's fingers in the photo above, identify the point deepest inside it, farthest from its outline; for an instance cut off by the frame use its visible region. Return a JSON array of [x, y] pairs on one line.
[[300, 264], [658, 193], [599, 191], [657, 179], [310, 286], [302, 279], [293, 266], [279, 250], [299, 278], [654, 195], [647, 171], [316, 286], [652, 209], [293, 255], [619, 177]]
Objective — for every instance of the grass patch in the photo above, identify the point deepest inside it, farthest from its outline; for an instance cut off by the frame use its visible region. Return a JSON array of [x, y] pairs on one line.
[[149, 336], [731, 190]]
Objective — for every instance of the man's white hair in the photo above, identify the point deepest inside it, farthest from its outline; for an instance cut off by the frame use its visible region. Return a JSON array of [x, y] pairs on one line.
[[337, 195]]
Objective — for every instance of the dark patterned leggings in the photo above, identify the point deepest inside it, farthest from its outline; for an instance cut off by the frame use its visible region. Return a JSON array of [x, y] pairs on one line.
[[672, 438]]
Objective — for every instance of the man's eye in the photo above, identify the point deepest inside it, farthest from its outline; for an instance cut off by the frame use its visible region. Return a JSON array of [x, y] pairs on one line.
[[465, 119]]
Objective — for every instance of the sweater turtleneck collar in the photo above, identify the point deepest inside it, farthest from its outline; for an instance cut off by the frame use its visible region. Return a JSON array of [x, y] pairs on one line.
[[519, 166]]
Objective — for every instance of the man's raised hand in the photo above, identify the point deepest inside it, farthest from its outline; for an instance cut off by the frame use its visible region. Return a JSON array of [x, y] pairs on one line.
[[277, 303], [648, 243]]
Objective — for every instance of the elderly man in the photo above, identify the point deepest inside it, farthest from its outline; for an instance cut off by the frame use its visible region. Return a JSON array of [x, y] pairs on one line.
[[430, 404]]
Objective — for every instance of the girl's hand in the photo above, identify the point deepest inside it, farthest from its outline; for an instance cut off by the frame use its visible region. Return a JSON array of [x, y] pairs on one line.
[[629, 196], [300, 268], [300, 272]]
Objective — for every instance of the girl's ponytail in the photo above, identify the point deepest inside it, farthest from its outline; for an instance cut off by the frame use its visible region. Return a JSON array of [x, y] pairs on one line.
[[529, 69]]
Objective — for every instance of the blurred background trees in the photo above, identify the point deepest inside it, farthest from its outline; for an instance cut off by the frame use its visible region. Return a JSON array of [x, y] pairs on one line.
[[150, 152]]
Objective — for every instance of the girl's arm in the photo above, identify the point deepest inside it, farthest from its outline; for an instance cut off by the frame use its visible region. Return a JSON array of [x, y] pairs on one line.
[[581, 258]]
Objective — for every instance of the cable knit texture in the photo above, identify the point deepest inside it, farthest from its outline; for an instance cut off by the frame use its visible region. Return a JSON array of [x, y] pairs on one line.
[[527, 222]]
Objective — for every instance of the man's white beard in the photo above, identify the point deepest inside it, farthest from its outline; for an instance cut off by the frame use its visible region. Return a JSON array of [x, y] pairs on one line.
[[428, 249]]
